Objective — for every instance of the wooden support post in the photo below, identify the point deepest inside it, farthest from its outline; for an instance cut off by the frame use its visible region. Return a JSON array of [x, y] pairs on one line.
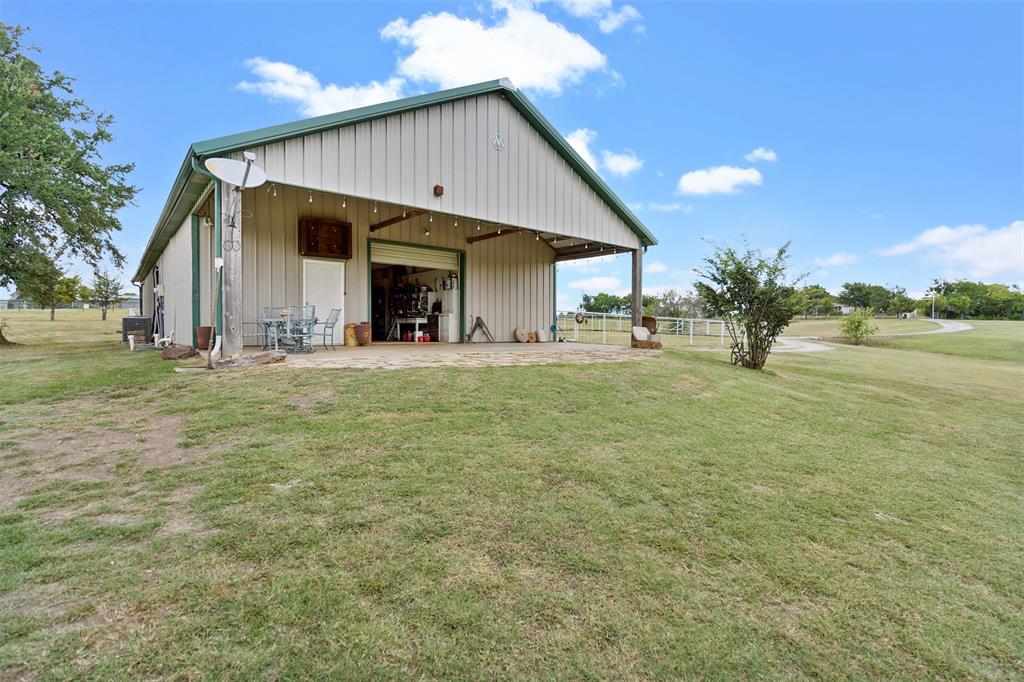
[[231, 236], [409, 215], [638, 297]]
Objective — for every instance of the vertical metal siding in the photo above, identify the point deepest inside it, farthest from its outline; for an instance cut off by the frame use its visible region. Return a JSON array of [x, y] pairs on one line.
[[176, 276]]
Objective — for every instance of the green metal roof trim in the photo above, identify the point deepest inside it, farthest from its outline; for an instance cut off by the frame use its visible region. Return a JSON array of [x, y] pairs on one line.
[[188, 185]]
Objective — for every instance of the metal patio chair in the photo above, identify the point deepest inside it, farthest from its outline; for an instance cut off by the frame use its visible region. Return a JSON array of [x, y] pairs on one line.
[[328, 326], [271, 325], [298, 332]]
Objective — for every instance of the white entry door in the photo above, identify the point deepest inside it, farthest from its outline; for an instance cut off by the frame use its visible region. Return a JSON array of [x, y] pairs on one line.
[[323, 285]]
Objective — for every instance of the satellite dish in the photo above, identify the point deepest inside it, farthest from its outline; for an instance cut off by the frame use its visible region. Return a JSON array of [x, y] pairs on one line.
[[242, 174]]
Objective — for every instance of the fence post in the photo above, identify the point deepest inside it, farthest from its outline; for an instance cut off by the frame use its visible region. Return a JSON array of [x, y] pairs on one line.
[[721, 340], [604, 328], [691, 332]]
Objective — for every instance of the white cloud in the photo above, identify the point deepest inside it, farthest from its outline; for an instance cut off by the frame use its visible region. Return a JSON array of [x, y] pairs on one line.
[[669, 208], [524, 45], [580, 140], [718, 180], [621, 164], [283, 81], [761, 154], [654, 267], [608, 18], [585, 8], [613, 21], [602, 283], [837, 259], [977, 250], [935, 237]]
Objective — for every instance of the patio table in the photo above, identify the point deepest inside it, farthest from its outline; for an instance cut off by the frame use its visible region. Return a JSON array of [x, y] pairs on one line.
[[272, 328]]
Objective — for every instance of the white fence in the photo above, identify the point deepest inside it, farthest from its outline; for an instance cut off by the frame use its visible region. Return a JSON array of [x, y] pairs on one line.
[[614, 329], [20, 304]]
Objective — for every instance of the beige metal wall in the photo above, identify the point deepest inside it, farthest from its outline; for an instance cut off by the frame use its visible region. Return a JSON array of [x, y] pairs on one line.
[[176, 275], [399, 158], [146, 304], [510, 279]]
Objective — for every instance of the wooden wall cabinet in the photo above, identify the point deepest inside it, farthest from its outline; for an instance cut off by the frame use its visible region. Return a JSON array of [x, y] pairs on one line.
[[324, 238]]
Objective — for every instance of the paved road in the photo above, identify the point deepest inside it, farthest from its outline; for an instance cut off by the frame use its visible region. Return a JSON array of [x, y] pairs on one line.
[[945, 327], [810, 344], [806, 344]]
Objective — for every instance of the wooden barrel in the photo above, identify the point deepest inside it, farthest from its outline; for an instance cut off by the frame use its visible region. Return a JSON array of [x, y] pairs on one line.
[[350, 335]]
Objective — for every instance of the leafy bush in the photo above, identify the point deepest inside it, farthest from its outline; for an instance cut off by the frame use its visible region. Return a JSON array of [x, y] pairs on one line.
[[751, 295], [859, 326]]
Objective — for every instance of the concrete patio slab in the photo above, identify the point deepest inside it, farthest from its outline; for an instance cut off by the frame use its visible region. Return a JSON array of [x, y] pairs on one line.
[[406, 355]]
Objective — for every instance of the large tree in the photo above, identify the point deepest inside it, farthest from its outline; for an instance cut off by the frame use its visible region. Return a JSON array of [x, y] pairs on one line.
[[751, 295], [899, 301], [816, 300], [42, 282], [106, 291], [57, 197], [603, 303], [676, 304]]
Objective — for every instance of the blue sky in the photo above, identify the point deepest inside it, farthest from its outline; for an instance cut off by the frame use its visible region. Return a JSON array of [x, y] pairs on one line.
[[891, 135]]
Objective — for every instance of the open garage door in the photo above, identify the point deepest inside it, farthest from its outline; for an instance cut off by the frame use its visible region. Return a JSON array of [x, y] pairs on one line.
[[413, 256], [416, 291]]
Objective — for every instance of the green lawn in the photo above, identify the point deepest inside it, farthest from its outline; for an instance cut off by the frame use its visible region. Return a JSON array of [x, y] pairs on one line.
[[854, 513], [830, 327], [991, 340]]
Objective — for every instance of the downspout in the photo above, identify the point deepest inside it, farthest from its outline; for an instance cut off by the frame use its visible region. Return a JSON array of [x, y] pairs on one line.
[[218, 246]]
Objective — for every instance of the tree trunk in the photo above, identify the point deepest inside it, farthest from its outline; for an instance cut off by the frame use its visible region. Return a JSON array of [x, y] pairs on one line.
[[53, 308], [103, 313]]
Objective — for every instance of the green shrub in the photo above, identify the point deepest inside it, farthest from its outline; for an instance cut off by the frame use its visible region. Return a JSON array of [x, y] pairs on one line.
[[858, 326]]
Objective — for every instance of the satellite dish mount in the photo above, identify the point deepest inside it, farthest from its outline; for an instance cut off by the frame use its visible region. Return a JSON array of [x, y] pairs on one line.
[[243, 174]]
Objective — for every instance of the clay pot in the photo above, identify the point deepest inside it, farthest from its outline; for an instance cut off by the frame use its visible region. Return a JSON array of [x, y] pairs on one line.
[[203, 338], [363, 333]]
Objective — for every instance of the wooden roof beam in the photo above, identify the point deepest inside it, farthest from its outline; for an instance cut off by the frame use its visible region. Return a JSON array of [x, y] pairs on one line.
[[594, 251], [491, 235], [402, 217]]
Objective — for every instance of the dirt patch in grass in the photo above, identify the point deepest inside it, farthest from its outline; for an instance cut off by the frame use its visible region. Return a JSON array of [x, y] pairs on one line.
[[75, 445], [181, 520], [310, 400], [48, 601]]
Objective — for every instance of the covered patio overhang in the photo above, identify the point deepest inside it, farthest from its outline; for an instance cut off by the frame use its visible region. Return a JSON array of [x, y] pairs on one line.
[[387, 217]]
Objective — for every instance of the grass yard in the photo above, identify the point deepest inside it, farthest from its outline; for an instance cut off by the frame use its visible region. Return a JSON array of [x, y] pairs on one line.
[[830, 328], [990, 340], [855, 513]]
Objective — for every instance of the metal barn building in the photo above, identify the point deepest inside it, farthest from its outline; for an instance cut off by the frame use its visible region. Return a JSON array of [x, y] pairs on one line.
[[469, 193]]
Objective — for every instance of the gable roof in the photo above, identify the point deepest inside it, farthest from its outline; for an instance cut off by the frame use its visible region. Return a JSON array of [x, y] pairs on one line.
[[189, 185]]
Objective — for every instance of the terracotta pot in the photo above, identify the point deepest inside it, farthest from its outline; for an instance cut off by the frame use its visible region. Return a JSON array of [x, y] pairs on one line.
[[363, 333], [203, 338]]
